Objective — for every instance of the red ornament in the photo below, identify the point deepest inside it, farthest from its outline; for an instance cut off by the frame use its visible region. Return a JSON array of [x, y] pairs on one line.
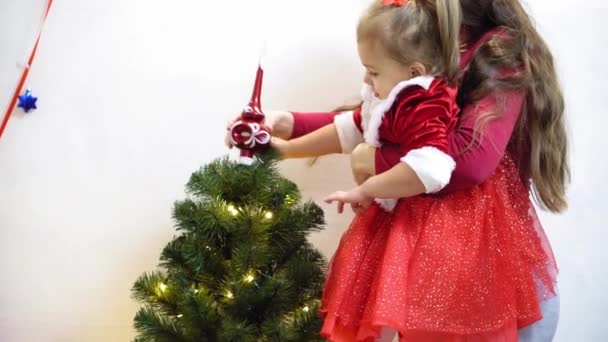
[[249, 133]]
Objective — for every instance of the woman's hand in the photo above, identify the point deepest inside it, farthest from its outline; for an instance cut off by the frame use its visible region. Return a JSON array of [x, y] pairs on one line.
[[357, 199], [279, 122], [363, 162]]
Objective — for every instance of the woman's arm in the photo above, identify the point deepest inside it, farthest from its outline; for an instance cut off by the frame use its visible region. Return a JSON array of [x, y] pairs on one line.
[[304, 123], [478, 152]]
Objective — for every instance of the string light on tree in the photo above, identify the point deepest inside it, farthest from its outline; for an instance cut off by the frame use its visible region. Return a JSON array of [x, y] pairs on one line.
[[269, 215], [234, 211], [289, 200], [306, 308], [229, 295], [249, 278]]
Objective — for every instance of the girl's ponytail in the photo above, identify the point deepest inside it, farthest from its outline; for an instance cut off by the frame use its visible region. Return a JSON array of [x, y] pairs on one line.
[[449, 18]]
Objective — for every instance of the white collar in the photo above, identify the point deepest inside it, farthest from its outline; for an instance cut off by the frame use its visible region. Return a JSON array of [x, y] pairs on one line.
[[373, 108]]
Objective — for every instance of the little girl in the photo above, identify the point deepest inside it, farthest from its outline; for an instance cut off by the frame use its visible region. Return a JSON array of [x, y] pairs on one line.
[[458, 267], [411, 54]]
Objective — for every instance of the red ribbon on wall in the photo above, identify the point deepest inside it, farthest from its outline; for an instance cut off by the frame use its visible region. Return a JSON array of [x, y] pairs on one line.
[[26, 71]]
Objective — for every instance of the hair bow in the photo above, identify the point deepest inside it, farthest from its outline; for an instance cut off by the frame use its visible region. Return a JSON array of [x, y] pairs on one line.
[[397, 3]]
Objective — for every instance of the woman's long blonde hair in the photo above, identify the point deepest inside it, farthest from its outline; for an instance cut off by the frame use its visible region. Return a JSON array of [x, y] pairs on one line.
[[539, 139]]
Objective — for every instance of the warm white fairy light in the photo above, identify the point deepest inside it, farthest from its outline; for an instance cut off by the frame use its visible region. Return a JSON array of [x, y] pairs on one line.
[[162, 287], [234, 211], [229, 295], [268, 215], [249, 278], [305, 309], [180, 316]]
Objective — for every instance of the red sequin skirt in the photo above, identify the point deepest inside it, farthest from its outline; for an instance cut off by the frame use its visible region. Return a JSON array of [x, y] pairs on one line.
[[467, 266]]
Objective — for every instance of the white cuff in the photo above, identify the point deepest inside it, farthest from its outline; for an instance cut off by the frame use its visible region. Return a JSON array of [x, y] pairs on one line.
[[432, 166], [348, 132], [388, 204]]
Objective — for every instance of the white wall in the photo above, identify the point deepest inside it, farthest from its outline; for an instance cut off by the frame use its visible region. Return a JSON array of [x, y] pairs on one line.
[[133, 97]]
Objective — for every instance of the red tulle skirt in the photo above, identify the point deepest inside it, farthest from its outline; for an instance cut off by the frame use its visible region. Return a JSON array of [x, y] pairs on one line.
[[468, 266]]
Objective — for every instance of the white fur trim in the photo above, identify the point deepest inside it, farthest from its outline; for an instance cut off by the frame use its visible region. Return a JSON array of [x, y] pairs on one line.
[[246, 161], [373, 108], [432, 166], [387, 204], [348, 132]]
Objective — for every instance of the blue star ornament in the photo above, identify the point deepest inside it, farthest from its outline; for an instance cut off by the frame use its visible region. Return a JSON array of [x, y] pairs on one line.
[[27, 101]]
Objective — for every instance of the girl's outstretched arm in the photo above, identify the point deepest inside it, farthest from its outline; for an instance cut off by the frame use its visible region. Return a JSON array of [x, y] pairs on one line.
[[318, 143], [400, 181]]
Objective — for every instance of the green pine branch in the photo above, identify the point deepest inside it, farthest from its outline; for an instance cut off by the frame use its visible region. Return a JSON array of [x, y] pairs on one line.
[[152, 289], [237, 331], [199, 315], [306, 269], [152, 326]]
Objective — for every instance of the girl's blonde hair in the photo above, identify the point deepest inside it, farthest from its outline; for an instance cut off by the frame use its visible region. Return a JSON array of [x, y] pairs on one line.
[[418, 31]]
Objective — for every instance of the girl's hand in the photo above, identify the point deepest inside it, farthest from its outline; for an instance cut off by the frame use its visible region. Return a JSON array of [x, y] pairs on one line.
[[355, 197], [279, 122], [358, 208], [363, 162], [282, 146]]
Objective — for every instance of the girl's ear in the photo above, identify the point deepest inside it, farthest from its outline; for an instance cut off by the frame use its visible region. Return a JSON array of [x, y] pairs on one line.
[[417, 69]]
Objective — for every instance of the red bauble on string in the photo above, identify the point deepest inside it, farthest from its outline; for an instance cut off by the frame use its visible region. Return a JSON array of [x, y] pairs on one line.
[[251, 137]]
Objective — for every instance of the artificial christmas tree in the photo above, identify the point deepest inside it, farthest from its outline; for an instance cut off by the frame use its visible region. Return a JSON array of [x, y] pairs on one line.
[[241, 268]]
